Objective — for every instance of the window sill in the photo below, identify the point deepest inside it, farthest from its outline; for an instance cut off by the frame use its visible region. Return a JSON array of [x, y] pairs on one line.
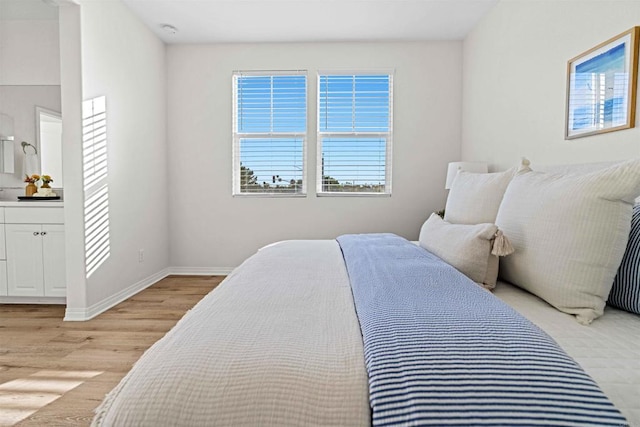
[[269, 195], [351, 194]]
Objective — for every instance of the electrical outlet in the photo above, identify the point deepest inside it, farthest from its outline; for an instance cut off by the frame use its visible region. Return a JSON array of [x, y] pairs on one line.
[[141, 255]]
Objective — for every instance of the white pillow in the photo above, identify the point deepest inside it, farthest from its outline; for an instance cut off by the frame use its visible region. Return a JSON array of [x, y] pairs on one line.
[[474, 198], [465, 247], [570, 233]]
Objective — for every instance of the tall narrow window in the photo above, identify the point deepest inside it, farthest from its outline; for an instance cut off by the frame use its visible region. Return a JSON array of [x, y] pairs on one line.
[[95, 177], [354, 133], [269, 133]]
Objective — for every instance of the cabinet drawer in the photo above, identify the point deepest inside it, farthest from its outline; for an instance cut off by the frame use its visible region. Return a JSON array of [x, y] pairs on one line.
[[34, 215], [1, 214]]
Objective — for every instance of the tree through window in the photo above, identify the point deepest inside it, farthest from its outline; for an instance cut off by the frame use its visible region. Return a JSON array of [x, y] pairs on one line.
[[354, 133], [269, 133]]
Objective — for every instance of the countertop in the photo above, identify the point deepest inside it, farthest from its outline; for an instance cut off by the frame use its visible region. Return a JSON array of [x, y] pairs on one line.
[[33, 204]]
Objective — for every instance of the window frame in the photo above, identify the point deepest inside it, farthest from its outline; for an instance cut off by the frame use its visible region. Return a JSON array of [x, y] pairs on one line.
[[236, 191], [323, 134]]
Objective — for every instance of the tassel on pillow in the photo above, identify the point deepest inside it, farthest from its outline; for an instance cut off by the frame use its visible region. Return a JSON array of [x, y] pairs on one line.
[[501, 245], [524, 166]]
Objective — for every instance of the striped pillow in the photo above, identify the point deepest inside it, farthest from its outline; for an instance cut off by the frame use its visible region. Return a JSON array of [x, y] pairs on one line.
[[625, 293]]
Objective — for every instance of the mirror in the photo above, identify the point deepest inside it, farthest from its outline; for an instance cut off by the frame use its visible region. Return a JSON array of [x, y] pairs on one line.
[[6, 144], [49, 143], [28, 106], [7, 158]]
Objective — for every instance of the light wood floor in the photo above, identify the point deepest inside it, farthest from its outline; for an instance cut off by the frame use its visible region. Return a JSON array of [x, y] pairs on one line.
[[41, 356]]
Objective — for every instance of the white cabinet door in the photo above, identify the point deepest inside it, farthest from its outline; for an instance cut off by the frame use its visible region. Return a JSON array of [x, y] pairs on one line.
[[3, 252], [24, 260], [55, 279], [3, 279]]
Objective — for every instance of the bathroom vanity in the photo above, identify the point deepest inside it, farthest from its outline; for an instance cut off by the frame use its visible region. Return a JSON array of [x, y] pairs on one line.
[[32, 246], [32, 252]]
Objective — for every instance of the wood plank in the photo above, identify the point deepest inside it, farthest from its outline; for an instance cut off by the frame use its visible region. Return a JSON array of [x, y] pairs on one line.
[[36, 343]]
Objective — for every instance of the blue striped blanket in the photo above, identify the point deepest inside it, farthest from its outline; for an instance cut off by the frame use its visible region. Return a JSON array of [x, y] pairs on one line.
[[439, 350]]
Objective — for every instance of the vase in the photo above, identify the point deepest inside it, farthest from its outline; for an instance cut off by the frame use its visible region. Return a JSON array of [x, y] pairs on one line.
[[31, 189], [45, 185]]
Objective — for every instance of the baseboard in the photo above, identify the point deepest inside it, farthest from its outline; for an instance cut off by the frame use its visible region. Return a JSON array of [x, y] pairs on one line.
[[200, 271], [33, 300], [79, 314]]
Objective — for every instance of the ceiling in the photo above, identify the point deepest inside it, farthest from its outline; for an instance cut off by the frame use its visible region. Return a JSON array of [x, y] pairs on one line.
[[233, 21]]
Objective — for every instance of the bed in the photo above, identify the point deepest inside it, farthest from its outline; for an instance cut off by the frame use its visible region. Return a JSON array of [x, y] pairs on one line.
[[375, 330], [608, 349]]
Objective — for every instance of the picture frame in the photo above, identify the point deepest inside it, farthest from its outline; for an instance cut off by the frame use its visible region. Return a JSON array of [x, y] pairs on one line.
[[601, 87]]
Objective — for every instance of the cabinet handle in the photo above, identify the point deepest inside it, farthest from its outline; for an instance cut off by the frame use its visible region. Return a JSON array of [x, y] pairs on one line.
[[36, 233], [44, 233]]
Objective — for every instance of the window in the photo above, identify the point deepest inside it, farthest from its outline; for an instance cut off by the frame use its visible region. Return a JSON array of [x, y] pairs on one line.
[[95, 178], [354, 133], [269, 133]]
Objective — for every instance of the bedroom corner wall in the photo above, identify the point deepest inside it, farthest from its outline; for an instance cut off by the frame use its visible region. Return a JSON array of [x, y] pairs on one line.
[[514, 82], [71, 97], [125, 62], [212, 232]]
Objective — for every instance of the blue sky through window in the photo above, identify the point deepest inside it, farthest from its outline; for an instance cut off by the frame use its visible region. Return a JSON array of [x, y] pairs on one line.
[[354, 103], [271, 120], [349, 108], [272, 104]]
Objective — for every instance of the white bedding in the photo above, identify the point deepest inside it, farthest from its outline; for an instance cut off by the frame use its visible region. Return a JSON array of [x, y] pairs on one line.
[[608, 349], [276, 344]]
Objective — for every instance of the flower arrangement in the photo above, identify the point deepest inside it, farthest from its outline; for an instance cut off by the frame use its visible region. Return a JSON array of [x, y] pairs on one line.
[[46, 179], [32, 179]]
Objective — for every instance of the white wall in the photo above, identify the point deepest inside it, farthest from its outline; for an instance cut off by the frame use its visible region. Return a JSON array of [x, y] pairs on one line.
[[71, 97], [515, 81], [212, 231], [29, 76], [124, 61], [29, 52]]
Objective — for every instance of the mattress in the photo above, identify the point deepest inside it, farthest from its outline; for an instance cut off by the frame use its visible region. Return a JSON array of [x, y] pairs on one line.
[[608, 349]]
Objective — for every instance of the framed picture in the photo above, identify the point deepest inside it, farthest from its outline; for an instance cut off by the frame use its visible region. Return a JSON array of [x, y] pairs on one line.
[[601, 87]]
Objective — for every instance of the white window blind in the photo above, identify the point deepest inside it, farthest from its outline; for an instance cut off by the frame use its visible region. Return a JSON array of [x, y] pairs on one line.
[[95, 180], [269, 133], [354, 133]]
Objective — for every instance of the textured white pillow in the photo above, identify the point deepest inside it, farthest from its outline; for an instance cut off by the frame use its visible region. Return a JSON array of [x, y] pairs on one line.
[[474, 198], [465, 247], [570, 233]]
